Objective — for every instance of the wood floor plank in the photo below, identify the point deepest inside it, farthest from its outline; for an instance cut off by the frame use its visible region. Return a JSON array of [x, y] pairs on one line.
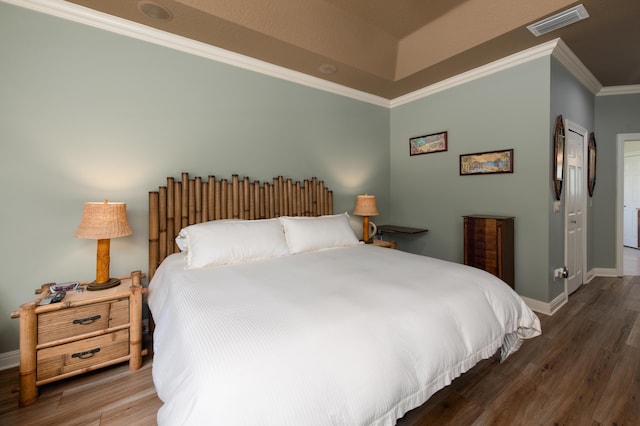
[[634, 333], [514, 404], [138, 411], [577, 404], [455, 410], [620, 402]]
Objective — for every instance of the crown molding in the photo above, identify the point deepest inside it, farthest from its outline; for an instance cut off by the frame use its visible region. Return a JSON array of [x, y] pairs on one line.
[[96, 19], [570, 61], [527, 55], [620, 90]]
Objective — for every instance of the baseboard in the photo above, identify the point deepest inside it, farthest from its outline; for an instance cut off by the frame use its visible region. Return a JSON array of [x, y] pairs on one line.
[[546, 308], [9, 359], [604, 272], [591, 274], [550, 308]]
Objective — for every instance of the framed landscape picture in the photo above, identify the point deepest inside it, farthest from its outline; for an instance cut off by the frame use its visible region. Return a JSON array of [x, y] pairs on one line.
[[487, 162], [426, 144]]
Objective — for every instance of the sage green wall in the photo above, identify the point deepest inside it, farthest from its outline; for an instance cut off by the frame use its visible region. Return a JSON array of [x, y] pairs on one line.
[[87, 115], [509, 109], [574, 102], [614, 115]]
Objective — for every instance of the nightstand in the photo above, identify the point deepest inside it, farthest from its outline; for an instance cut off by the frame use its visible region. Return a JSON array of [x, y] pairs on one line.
[[401, 229], [87, 330], [398, 230]]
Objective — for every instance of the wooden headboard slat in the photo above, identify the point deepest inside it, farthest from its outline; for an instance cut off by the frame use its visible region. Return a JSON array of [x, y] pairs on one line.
[[189, 201]]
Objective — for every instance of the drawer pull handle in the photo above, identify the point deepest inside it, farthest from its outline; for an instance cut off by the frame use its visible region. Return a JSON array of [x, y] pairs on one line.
[[87, 320], [86, 354]]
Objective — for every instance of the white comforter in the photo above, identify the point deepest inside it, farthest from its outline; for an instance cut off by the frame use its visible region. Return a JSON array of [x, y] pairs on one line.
[[344, 336]]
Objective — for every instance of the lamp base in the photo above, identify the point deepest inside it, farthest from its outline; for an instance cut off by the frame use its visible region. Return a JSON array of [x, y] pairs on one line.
[[94, 286]]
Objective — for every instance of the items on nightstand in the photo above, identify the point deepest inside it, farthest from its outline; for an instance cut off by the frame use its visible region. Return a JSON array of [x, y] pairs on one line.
[[82, 332], [365, 207], [52, 298], [103, 221], [386, 244], [72, 285]]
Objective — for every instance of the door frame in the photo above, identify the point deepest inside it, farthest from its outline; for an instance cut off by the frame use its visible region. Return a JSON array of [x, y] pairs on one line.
[[620, 140], [576, 128]]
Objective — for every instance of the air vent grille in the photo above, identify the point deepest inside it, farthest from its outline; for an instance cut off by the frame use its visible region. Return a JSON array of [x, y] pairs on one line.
[[559, 20]]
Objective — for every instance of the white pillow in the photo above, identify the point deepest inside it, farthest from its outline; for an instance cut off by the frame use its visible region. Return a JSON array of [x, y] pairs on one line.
[[316, 233], [182, 240], [222, 242]]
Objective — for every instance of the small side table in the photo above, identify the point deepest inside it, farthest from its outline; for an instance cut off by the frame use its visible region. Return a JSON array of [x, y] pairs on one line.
[[87, 330], [394, 229], [401, 229]]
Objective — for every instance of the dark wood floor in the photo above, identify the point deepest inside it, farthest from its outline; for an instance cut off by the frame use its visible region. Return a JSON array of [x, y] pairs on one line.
[[583, 370]]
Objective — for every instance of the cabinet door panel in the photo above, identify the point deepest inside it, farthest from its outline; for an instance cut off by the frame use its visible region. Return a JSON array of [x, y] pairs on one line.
[[489, 245]]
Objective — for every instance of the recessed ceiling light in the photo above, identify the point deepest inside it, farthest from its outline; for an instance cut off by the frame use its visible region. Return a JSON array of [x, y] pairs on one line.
[[559, 20], [327, 68], [155, 11]]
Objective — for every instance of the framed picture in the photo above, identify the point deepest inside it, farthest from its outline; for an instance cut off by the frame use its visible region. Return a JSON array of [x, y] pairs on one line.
[[483, 163], [435, 142], [591, 164]]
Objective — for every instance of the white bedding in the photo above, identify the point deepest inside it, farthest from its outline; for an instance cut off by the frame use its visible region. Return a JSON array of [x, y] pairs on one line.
[[345, 336]]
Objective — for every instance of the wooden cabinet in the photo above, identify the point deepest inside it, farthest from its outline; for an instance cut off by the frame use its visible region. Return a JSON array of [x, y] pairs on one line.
[[87, 330], [488, 245]]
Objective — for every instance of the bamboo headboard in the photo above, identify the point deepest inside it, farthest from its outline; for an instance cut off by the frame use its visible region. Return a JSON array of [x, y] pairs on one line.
[[194, 200]]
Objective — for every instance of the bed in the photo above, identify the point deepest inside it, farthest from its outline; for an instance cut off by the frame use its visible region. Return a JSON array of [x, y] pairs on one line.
[[271, 312]]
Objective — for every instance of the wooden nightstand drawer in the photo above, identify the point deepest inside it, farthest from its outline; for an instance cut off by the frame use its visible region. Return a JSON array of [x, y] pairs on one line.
[[68, 323], [63, 359]]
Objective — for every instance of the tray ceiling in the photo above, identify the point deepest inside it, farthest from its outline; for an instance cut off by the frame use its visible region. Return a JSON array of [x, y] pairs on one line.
[[391, 48]]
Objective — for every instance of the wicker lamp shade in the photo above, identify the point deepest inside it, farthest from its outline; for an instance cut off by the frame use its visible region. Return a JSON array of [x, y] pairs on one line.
[[365, 207], [103, 221]]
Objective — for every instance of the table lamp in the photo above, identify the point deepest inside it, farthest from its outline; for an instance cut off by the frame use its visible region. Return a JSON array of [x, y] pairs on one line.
[[103, 221], [365, 207]]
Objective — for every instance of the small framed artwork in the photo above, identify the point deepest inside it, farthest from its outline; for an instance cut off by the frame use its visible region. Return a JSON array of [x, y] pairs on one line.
[[435, 142], [483, 163]]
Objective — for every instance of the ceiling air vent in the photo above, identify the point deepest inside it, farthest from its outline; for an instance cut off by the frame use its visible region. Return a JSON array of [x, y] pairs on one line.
[[559, 20]]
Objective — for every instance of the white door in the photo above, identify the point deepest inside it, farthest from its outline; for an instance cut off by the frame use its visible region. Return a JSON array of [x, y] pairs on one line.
[[574, 201], [631, 199]]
